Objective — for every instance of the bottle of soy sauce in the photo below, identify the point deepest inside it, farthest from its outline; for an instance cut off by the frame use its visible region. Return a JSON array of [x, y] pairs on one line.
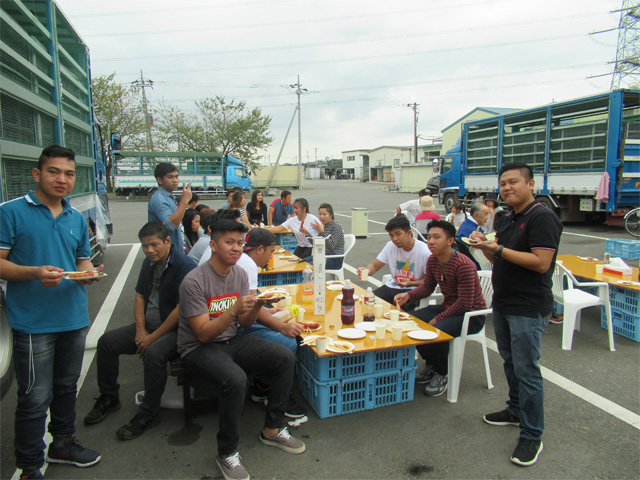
[[348, 304]]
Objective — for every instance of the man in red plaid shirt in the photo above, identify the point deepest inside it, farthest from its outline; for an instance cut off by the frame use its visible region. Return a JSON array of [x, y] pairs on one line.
[[459, 283]]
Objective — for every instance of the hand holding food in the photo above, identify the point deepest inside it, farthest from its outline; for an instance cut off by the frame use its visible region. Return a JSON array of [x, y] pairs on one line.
[[401, 299], [292, 329], [49, 276]]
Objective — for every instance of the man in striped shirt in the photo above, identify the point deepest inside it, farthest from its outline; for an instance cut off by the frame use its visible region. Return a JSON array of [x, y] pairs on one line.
[[459, 283]]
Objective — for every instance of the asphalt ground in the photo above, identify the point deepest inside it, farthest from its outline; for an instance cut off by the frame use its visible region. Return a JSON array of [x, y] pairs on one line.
[[592, 395]]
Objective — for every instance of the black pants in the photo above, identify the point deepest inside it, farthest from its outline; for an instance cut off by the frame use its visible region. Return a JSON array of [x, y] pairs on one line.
[[387, 293]]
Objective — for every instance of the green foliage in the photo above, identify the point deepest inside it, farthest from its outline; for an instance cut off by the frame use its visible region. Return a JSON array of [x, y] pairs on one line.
[[218, 125], [118, 109]]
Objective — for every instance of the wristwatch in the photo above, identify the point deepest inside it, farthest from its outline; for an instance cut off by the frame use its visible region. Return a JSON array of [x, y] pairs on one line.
[[498, 253]]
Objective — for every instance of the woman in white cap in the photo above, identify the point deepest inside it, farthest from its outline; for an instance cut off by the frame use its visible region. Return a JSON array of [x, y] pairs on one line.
[[426, 214]]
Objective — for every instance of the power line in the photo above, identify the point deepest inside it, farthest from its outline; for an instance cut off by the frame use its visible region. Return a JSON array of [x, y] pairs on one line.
[[344, 42]]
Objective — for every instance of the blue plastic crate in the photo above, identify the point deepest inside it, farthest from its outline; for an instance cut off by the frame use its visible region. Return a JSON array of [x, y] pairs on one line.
[[357, 364], [281, 278], [625, 299], [350, 395], [287, 241], [623, 248], [625, 324]]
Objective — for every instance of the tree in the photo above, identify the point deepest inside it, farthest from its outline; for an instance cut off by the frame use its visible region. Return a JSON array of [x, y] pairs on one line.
[[217, 126], [118, 109]]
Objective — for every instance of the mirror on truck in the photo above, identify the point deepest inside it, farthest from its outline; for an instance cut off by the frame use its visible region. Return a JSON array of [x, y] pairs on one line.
[[116, 141], [435, 165]]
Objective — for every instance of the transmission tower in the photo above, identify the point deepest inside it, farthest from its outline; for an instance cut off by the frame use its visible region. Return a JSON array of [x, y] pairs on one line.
[[627, 66]]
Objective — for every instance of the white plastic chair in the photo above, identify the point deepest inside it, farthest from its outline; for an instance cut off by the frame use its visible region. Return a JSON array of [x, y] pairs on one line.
[[484, 262], [349, 242], [574, 300], [457, 345]]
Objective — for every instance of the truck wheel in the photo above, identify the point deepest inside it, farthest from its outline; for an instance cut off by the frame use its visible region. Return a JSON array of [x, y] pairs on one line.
[[449, 201], [6, 350], [549, 204]]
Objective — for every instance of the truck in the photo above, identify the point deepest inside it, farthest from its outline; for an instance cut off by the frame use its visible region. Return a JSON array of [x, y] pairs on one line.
[[207, 171], [580, 151], [46, 98]]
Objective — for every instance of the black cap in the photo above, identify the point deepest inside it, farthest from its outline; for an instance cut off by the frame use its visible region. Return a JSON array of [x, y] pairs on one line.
[[257, 237]]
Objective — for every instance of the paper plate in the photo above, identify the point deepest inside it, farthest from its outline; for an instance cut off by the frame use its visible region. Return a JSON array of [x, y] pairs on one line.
[[335, 282], [422, 334], [272, 296], [401, 315], [335, 346], [335, 288], [352, 333], [87, 277], [311, 340], [355, 297], [628, 283], [276, 290], [588, 259], [366, 326]]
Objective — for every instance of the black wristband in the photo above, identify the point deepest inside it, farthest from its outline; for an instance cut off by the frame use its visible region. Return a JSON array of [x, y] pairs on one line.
[[498, 253]]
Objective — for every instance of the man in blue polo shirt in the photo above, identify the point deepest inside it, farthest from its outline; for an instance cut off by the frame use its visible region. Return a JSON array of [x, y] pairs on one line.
[[163, 207], [153, 336], [41, 237]]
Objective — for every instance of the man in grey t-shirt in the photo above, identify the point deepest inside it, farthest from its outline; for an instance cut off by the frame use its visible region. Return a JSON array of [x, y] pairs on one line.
[[215, 301]]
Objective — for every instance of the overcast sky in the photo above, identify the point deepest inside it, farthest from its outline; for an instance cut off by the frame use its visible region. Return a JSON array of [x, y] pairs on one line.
[[362, 62]]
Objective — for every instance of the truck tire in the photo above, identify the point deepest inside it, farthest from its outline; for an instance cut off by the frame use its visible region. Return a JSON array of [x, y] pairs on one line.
[[549, 204], [449, 201], [6, 350]]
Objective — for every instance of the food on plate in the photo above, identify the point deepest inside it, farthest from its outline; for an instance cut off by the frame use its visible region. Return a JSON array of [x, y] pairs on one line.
[[311, 325], [335, 282], [84, 275]]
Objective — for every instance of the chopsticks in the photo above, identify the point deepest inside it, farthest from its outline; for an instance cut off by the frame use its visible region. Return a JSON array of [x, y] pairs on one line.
[[285, 265]]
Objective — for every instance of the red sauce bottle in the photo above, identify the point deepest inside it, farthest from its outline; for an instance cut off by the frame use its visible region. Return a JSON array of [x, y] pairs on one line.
[[348, 304]]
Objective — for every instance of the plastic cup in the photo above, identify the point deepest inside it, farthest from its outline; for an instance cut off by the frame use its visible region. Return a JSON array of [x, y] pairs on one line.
[[300, 317], [287, 301], [599, 268], [364, 275], [396, 333], [377, 310], [381, 331], [394, 315], [321, 344]]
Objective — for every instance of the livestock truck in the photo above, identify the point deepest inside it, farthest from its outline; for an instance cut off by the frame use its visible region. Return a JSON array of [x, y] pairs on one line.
[[581, 152], [207, 171], [45, 98]]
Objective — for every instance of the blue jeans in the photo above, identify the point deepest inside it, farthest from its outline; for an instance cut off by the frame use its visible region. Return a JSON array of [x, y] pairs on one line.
[[261, 331], [518, 340], [47, 369], [334, 263], [437, 354], [226, 364]]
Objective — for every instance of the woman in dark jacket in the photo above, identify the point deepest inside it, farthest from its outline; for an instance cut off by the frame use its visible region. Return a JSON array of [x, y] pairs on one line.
[[257, 209]]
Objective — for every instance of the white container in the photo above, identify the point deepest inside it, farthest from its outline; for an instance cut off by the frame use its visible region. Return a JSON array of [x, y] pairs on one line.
[[381, 330]]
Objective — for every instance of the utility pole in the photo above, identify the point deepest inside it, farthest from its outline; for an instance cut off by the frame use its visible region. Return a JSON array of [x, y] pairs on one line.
[[299, 91], [414, 107], [148, 119]]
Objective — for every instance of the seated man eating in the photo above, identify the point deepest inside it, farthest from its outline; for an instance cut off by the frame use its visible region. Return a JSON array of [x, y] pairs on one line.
[[214, 302]]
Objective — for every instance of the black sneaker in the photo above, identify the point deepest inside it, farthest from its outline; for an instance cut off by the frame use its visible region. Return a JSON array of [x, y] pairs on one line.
[[425, 375], [68, 450], [502, 418], [294, 409], [137, 426], [29, 473], [527, 452], [259, 391], [105, 404]]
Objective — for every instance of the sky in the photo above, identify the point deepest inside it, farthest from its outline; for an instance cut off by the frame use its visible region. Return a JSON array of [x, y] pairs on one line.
[[360, 63]]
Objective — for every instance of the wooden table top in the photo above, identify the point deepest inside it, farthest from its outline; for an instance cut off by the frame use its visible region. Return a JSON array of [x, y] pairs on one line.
[[284, 258], [331, 323], [587, 269]]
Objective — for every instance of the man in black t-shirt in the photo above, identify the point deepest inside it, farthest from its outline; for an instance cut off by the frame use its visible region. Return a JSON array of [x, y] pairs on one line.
[[523, 256]]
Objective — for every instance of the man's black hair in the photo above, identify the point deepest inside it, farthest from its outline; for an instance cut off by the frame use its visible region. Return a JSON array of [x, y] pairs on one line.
[[153, 229], [222, 226], [284, 194], [525, 170], [163, 169], [448, 228], [399, 221], [200, 206], [55, 151]]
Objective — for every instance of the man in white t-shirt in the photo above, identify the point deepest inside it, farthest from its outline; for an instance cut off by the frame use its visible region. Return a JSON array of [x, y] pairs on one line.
[[258, 249], [411, 208], [407, 260]]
